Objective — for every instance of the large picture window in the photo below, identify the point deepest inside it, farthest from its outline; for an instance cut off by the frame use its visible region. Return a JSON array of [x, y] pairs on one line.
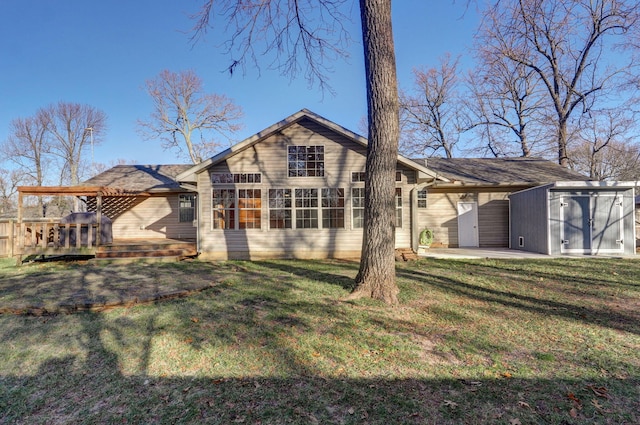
[[249, 208], [332, 208], [224, 208], [187, 208], [357, 207], [306, 208], [280, 216], [305, 161], [398, 207]]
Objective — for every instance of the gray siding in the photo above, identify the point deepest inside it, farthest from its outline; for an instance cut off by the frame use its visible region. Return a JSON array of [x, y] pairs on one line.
[[529, 220], [269, 157]]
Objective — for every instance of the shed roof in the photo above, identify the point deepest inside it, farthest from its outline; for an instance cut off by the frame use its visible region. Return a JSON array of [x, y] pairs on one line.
[[495, 171], [148, 178]]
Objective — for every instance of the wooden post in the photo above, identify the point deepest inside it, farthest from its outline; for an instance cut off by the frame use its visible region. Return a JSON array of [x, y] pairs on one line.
[[99, 217], [19, 236]]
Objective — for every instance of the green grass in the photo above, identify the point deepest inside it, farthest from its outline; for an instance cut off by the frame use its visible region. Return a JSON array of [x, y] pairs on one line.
[[472, 342]]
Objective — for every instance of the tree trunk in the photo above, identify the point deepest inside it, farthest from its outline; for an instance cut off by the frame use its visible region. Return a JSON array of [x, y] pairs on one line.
[[376, 277], [563, 158]]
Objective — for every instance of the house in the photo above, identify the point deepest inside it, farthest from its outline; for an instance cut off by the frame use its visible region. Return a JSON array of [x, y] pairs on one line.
[[471, 207], [296, 190], [161, 207]]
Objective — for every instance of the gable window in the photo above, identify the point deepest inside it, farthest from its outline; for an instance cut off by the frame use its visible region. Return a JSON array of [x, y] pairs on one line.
[[224, 208], [357, 207], [305, 161], [249, 208], [422, 198], [332, 208], [230, 178], [187, 208], [280, 216], [306, 208]]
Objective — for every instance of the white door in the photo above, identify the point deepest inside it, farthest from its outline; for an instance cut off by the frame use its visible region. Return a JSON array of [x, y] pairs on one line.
[[468, 224]]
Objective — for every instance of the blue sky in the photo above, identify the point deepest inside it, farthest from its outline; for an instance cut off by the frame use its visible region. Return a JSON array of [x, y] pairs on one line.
[[101, 52]]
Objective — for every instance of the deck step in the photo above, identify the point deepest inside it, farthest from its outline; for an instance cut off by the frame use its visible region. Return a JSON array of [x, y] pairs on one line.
[[170, 250], [128, 260], [405, 254]]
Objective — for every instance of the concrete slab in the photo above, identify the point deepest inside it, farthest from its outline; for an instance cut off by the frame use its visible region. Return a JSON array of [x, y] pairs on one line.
[[475, 253], [479, 253]]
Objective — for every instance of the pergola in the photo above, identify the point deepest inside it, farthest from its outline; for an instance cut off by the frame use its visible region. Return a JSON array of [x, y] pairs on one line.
[[101, 199]]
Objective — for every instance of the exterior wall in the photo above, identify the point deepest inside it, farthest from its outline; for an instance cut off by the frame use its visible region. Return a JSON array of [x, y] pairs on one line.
[[529, 220], [441, 215], [269, 157], [155, 217]]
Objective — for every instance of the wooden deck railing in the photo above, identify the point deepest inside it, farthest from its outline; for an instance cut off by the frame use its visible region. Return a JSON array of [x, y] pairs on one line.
[[50, 237]]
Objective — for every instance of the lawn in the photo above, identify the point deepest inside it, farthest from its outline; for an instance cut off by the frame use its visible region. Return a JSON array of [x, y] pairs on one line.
[[273, 342]]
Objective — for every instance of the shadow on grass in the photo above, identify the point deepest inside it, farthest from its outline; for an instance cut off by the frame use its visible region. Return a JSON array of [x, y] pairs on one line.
[[92, 388], [147, 365], [583, 313]]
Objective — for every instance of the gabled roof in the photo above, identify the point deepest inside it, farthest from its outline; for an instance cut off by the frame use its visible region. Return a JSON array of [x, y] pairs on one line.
[[190, 175], [147, 178], [499, 171]]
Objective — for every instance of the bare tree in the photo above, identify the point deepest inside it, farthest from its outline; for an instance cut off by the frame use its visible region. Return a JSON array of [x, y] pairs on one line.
[[507, 105], [182, 110], [311, 32], [27, 145], [9, 182], [433, 118], [73, 127], [604, 148], [564, 44]]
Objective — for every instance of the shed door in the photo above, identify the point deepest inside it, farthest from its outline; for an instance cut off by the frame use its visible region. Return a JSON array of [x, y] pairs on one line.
[[607, 229], [591, 224], [467, 224]]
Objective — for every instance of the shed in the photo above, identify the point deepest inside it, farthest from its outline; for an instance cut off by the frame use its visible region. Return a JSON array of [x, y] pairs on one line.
[[579, 217]]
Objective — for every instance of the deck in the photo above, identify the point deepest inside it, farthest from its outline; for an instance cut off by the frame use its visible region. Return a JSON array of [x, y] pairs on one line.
[[50, 238]]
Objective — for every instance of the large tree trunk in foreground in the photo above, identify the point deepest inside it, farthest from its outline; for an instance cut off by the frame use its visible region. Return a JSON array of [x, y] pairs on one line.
[[376, 277]]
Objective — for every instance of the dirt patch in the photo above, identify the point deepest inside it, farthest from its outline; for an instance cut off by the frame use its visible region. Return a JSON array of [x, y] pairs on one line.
[[54, 288]]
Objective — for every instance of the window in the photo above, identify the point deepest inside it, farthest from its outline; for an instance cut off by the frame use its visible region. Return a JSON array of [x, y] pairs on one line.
[[357, 207], [224, 204], [305, 161], [230, 178], [280, 209], [422, 198], [187, 208], [357, 176], [306, 208], [249, 208], [332, 208], [398, 207]]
